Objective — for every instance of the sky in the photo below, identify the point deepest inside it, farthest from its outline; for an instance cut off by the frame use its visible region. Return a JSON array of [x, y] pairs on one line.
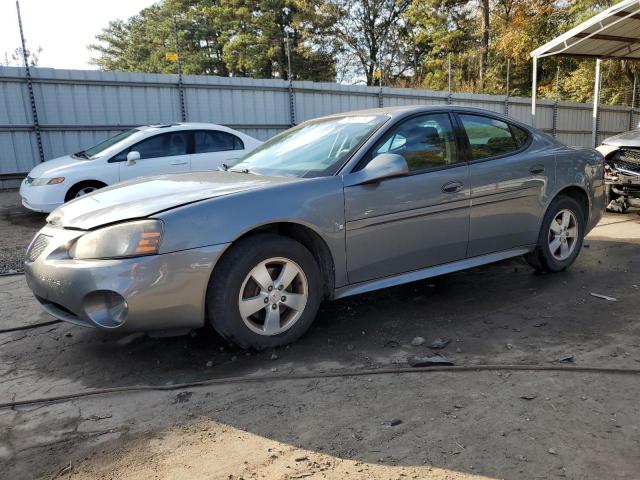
[[63, 28]]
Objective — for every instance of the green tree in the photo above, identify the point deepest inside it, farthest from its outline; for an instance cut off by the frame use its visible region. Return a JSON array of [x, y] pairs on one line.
[[221, 37]]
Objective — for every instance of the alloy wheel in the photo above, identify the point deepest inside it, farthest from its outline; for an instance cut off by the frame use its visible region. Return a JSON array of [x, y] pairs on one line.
[[563, 234], [85, 191], [273, 296]]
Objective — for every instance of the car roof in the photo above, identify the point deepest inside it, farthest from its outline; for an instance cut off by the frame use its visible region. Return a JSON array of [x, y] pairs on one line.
[[184, 126], [407, 110]]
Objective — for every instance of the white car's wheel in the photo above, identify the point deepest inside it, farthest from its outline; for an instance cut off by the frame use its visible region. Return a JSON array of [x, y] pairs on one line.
[[83, 188]]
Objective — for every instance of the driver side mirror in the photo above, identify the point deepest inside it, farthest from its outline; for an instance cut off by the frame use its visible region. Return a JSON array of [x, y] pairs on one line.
[[385, 165], [132, 158]]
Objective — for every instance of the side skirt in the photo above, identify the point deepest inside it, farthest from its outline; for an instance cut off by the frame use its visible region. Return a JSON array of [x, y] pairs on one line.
[[428, 272]]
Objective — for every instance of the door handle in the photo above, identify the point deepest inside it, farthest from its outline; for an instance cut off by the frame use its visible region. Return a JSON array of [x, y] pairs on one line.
[[179, 163], [452, 187], [536, 169]]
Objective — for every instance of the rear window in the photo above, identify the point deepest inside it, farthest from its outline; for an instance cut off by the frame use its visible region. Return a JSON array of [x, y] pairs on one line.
[[489, 137]]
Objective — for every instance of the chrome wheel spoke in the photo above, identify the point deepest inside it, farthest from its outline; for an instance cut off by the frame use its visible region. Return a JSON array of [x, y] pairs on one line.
[[272, 321], [572, 232], [564, 248], [555, 227], [566, 219], [261, 276], [295, 301], [288, 273], [555, 244], [249, 306]]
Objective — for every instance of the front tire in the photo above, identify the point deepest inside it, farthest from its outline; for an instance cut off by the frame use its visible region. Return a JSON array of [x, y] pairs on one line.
[[264, 292], [561, 236], [83, 188]]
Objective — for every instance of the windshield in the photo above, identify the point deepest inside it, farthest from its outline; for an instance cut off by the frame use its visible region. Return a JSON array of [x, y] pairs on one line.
[[313, 149], [99, 150]]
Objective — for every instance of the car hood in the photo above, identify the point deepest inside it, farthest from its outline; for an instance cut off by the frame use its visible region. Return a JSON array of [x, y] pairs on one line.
[[626, 139], [148, 195], [57, 167]]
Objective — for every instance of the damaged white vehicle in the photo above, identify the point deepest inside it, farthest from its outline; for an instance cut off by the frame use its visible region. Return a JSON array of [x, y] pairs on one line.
[[622, 170]]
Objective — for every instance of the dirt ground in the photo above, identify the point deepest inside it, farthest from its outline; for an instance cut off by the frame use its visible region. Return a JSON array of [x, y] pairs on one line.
[[368, 423]]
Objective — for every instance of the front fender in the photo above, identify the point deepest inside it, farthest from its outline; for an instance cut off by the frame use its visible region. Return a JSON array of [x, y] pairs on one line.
[[316, 203]]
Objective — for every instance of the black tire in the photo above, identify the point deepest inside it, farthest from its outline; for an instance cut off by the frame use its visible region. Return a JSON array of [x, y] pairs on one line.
[[542, 258], [224, 287], [73, 191]]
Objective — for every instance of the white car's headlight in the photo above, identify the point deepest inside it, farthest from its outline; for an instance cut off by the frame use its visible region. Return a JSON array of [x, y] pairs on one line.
[[130, 239], [47, 181]]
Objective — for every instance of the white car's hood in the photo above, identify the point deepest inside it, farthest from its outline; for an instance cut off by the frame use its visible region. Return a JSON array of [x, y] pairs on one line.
[[58, 167]]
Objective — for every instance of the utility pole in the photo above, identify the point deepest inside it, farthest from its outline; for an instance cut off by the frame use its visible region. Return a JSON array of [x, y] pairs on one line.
[[34, 110], [183, 108]]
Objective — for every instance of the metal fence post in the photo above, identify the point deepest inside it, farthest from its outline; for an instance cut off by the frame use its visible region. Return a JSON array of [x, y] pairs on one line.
[[506, 98], [449, 99], [34, 109], [554, 130], [183, 108], [633, 102]]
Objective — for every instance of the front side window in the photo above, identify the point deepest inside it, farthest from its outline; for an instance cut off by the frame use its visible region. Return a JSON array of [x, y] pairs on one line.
[[163, 145], [489, 137], [215, 141], [313, 149], [100, 149], [426, 141]]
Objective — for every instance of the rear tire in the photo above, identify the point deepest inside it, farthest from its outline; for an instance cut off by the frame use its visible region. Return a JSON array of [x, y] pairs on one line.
[[561, 236], [264, 292]]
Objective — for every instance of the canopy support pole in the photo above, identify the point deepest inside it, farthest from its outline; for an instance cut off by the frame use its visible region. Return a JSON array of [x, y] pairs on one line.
[[596, 102], [534, 89]]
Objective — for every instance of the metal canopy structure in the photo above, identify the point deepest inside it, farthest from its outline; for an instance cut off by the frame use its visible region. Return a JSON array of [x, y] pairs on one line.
[[613, 33]]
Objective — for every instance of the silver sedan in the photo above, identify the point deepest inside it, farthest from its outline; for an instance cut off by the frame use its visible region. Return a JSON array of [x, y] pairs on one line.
[[333, 207]]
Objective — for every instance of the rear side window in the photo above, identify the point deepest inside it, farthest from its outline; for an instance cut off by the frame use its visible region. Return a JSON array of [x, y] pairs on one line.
[[215, 141], [163, 145], [489, 137]]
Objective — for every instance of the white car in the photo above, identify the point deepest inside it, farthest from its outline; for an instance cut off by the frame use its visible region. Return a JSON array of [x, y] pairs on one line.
[[143, 151]]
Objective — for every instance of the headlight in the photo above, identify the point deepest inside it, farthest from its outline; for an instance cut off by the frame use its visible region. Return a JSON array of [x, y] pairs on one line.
[[47, 181], [131, 239]]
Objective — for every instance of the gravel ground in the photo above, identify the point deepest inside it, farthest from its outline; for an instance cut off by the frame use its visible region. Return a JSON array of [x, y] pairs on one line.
[[18, 226]]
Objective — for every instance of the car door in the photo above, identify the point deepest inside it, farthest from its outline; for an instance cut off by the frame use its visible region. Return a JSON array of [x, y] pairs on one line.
[[163, 153], [509, 184], [416, 221], [212, 148]]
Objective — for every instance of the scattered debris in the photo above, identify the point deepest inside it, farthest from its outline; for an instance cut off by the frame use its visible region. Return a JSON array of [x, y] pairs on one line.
[[569, 359], [350, 347], [274, 356], [509, 346], [392, 343], [528, 397], [437, 359], [417, 341], [604, 297], [552, 451], [541, 324], [209, 364], [395, 422], [301, 459], [439, 343], [183, 397], [96, 418]]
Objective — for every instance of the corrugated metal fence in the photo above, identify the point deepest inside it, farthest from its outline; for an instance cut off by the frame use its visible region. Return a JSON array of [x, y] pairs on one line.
[[78, 108]]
